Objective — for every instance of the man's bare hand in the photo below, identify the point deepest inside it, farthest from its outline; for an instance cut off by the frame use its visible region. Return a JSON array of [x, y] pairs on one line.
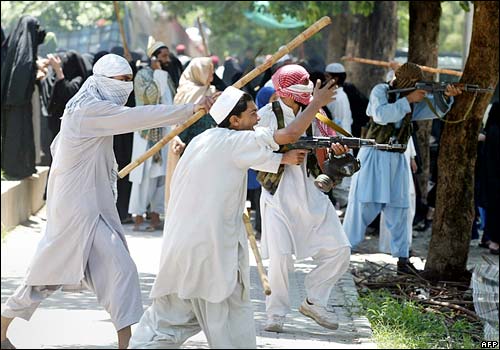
[[206, 102], [294, 156], [339, 149], [155, 64], [326, 94], [416, 96], [177, 145], [452, 90]]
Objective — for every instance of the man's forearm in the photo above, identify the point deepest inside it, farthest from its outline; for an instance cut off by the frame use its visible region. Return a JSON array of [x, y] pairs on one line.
[[294, 130]]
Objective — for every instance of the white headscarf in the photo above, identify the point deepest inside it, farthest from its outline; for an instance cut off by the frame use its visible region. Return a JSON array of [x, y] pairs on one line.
[[194, 85], [101, 86]]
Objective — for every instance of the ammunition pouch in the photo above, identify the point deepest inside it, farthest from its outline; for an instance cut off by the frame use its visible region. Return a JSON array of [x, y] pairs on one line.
[[270, 181]]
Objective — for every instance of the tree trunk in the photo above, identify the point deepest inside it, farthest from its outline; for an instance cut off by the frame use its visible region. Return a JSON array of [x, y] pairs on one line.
[[373, 37], [423, 44], [337, 34], [451, 230]]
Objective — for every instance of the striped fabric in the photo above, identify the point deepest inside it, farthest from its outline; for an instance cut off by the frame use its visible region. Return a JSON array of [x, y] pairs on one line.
[[286, 81], [484, 286]]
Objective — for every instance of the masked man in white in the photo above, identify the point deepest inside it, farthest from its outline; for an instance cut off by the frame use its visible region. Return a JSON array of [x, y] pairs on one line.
[[297, 218], [84, 241]]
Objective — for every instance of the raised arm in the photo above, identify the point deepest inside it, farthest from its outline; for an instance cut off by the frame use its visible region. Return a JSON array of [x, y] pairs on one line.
[[321, 97]]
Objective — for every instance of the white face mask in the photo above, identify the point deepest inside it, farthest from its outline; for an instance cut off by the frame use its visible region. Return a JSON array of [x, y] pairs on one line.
[[114, 90], [301, 89]]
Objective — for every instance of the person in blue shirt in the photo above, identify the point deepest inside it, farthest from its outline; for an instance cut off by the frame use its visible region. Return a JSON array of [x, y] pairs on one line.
[[382, 182]]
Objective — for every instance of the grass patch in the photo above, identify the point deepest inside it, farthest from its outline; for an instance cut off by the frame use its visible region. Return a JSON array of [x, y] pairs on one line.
[[402, 324]]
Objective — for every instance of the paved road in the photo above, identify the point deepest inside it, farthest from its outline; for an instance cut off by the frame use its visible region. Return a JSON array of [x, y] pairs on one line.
[[74, 320]]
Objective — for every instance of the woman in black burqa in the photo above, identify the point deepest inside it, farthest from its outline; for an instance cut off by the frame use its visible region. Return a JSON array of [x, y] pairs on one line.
[[18, 80]]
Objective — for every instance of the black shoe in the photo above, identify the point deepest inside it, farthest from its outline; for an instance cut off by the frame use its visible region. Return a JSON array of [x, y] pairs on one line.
[[405, 267], [484, 245], [127, 220], [423, 226]]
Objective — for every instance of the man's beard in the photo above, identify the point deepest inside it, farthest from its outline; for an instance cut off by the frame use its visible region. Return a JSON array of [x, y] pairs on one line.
[[164, 66]]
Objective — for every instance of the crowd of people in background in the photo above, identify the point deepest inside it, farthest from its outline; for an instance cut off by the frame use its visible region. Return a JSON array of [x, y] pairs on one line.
[[36, 91]]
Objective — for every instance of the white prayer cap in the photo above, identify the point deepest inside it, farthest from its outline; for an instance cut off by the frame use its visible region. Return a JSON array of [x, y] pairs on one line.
[[155, 46], [335, 68], [225, 103], [111, 65]]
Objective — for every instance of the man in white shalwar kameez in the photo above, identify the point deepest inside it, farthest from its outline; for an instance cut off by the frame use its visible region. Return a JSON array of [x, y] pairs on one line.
[[152, 85], [340, 110], [84, 240], [382, 184], [299, 219], [203, 282]]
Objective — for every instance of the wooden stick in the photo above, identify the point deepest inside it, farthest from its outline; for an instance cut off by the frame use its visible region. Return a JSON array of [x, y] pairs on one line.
[[387, 64], [256, 253], [126, 52], [313, 29], [202, 33]]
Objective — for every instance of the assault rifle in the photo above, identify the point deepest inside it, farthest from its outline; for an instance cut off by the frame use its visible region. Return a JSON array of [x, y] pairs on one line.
[[313, 142], [432, 87]]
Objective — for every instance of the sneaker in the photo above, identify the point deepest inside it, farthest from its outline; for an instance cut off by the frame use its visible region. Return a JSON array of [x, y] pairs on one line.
[[319, 314], [6, 344], [275, 323]]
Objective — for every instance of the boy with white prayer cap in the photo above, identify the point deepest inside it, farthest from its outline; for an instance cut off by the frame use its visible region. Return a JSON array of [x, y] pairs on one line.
[[84, 240], [203, 280]]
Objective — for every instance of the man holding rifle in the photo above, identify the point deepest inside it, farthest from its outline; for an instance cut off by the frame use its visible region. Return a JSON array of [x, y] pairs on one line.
[[297, 218], [203, 282], [382, 183]]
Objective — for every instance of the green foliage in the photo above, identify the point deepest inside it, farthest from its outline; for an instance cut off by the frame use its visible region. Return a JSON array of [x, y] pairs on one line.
[[232, 33], [57, 15], [406, 325], [403, 24], [465, 5], [451, 27], [311, 11]]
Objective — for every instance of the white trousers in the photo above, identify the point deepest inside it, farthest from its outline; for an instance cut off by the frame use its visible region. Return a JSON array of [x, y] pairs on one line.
[[170, 321], [110, 273], [331, 265], [151, 191]]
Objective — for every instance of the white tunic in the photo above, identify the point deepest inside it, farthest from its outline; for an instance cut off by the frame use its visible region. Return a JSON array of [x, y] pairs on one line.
[[308, 219], [163, 94], [341, 110], [204, 224], [80, 186]]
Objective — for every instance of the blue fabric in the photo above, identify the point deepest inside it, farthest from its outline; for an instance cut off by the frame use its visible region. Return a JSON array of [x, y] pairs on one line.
[[382, 182], [252, 180], [263, 96], [359, 215]]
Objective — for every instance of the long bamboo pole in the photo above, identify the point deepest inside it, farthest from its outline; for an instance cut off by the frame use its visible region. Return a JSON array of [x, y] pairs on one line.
[[204, 40], [126, 52], [256, 253], [299, 39], [388, 64]]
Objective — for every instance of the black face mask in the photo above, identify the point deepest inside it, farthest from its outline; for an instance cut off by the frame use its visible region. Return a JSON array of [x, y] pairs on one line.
[[41, 35]]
